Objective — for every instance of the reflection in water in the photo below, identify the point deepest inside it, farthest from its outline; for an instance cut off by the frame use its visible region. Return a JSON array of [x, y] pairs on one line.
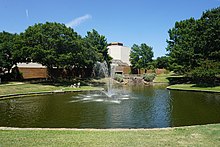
[[130, 107], [193, 108]]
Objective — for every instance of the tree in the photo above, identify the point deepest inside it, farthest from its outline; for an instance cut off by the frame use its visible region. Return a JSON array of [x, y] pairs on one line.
[[193, 42], [141, 56], [7, 47], [98, 42], [52, 45], [181, 45], [162, 62], [208, 36]]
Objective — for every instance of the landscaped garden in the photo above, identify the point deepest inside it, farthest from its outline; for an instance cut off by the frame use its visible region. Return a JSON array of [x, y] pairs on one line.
[[133, 111]]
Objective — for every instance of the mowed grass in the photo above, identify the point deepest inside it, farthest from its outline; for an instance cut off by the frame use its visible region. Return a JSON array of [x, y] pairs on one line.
[[194, 87], [22, 88], [162, 78], [208, 135]]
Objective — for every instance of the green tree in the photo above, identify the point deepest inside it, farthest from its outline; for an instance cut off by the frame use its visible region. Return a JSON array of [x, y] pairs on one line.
[[141, 56], [98, 42], [163, 62], [181, 45], [7, 47], [193, 42], [208, 36], [52, 45]]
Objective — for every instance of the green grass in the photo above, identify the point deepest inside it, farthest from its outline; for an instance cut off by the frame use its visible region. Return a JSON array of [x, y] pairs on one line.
[[208, 135], [194, 87], [163, 78], [22, 88]]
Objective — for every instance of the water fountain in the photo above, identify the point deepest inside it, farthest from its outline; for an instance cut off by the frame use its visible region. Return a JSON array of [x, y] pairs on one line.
[[110, 94]]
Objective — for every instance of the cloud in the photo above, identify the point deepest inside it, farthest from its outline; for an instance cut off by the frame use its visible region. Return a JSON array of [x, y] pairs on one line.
[[77, 21], [27, 13]]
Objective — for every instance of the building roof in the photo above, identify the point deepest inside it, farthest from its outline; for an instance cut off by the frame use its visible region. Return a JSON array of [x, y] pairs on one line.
[[30, 65], [116, 43]]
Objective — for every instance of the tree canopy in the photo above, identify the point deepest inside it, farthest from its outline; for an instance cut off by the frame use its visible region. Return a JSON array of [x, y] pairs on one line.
[[194, 45], [53, 45], [141, 56], [7, 49]]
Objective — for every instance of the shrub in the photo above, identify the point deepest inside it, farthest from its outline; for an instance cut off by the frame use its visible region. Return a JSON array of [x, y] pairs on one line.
[[118, 77], [206, 74], [202, 75], [149, 77]]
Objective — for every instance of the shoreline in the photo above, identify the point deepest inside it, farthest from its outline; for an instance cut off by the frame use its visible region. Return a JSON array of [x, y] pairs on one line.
[[20, 95], [107, 129], [193, 88]]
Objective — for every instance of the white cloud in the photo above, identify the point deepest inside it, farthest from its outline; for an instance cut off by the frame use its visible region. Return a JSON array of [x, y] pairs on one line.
[[27, 13], [77, 21]]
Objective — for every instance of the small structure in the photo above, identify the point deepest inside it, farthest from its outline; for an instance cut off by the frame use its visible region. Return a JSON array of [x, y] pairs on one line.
[[32, 70]]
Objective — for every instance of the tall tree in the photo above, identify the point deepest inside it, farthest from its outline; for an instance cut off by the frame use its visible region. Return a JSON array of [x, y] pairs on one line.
[[181, 45], [99, 43], [7, 47], [194, 46], [141, 56], [52, 45], [193, 42]]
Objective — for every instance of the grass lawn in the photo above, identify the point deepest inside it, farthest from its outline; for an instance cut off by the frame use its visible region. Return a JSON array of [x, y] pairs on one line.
[[162, 78], [22, 88], [194, 87], [208, 135]]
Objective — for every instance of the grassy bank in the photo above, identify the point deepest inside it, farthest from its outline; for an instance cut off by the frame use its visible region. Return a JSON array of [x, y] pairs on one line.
[[194, 87], [208, 135], [25, 88], [162, 78]]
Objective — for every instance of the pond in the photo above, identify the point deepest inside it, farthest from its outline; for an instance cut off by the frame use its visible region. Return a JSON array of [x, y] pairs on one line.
[[131, 107]]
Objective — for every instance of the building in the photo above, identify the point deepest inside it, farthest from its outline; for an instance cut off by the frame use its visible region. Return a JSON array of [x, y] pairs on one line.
[[32, 70], [119, 52], [120, 55]]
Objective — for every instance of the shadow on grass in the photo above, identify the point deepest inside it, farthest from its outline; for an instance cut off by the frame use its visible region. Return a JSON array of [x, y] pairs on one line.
[[179, 80], [204, 85]]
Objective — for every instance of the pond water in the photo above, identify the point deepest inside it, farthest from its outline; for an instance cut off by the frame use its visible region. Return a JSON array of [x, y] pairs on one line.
[[130, 107]]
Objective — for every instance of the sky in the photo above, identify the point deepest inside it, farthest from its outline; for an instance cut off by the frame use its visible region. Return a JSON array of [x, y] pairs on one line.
[[127, 21]]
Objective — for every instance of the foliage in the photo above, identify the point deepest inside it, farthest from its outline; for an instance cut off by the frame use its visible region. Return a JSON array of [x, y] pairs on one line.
[[149, 77], [162, 62], [7, 46], [206, 73], [118, 77], [194, 41], [180, 45], [98, 43], [194, 46], [51, 44], [141, 56]]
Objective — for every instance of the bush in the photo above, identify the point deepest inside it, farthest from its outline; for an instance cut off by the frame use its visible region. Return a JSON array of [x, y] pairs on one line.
[[202, 75], [206, 74], [149, 77], [118, 77]]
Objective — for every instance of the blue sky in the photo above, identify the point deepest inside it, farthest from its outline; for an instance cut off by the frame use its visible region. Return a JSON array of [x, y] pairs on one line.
[[127, 21]]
